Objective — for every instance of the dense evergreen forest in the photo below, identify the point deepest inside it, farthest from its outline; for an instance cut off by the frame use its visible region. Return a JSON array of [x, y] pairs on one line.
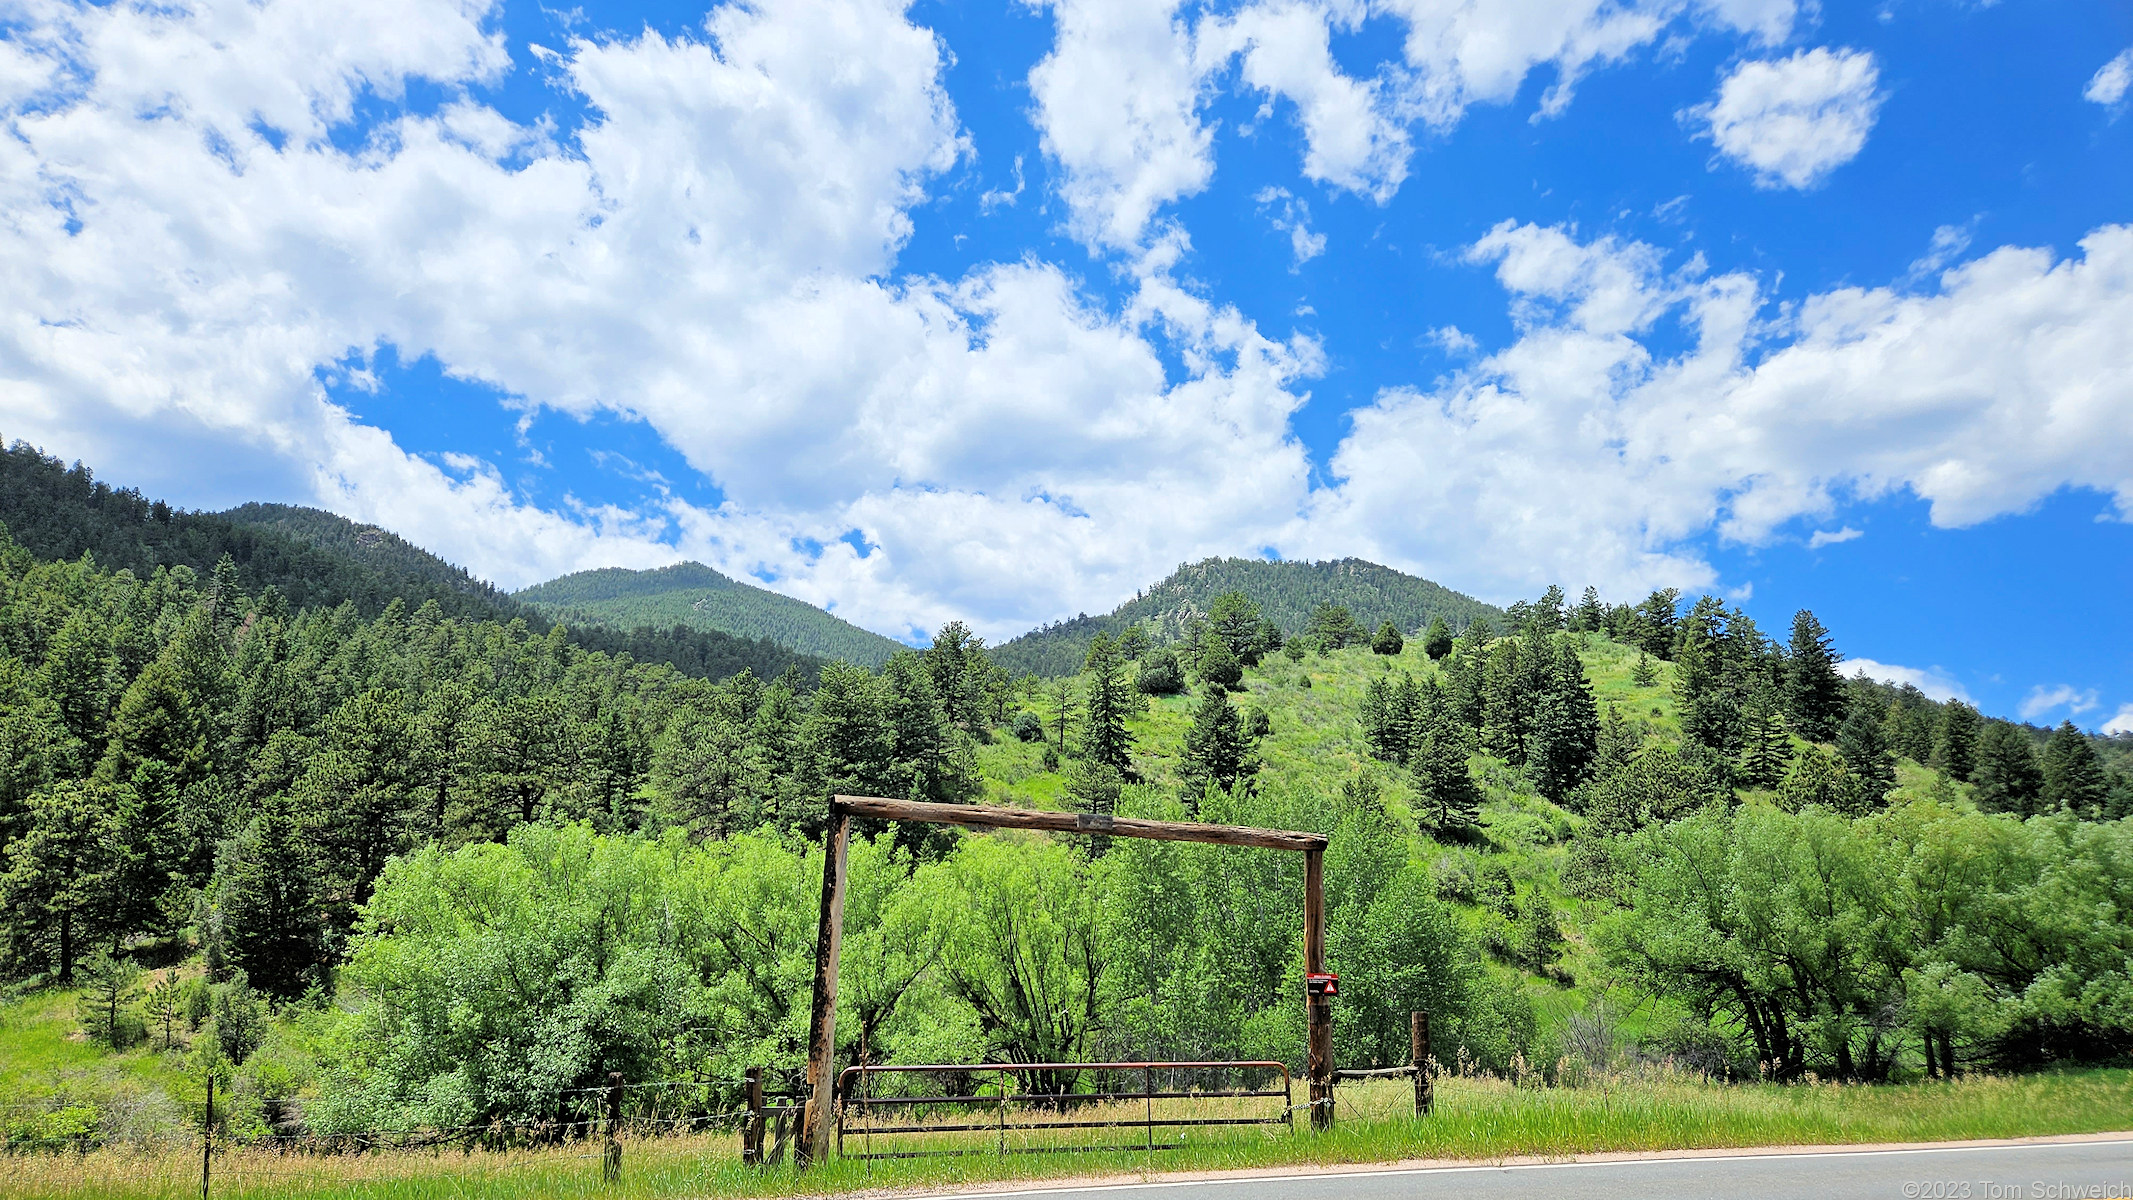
[[315, 559], [414, 868], [1286, 592], [696, 596]]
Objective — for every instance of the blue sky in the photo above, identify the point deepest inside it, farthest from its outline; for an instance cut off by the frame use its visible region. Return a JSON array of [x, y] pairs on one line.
[[1001, 311]]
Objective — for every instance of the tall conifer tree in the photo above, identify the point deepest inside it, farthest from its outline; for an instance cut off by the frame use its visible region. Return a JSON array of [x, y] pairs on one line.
[[273, 913], [1814, 690], [1103, 731], [1955, 745], [2008, 777], [1864, 747], [2074, 778]]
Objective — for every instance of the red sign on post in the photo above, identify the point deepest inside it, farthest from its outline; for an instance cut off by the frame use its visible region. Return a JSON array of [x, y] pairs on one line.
[[1322, 983]]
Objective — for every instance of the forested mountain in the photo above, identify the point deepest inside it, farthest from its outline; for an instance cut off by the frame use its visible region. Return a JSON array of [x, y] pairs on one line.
[[421, 871], [1286, 592], [313, 559], [694, 595]]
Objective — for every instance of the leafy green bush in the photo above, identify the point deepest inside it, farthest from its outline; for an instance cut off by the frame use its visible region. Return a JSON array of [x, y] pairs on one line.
[[74, 1128]]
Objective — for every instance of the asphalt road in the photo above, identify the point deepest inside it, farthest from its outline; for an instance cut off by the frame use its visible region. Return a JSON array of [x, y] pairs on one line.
[[2033, 1171]]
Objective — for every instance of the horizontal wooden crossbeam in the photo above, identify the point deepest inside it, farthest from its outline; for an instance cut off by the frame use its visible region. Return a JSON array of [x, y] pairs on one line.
[[996, 817]]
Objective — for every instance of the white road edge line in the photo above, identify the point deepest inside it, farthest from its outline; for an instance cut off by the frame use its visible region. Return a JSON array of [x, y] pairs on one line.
[[1549, 1166]]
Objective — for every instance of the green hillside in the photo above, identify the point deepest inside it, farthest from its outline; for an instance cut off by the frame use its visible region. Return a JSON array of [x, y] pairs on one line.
[[1285, 591], [315, 560], [694, 595], [419, 875]]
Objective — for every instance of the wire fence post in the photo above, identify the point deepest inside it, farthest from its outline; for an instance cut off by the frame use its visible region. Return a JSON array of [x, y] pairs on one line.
[[752, 1127], [611, 1162], [1425, 1089], [207, 1136]]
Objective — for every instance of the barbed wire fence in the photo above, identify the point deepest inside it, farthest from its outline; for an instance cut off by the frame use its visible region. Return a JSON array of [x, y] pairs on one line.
[[594, 1121]]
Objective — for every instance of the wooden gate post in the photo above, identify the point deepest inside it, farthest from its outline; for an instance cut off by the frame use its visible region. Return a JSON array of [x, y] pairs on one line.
[[1418, 1051], [822, 1039], [1318, 1009]]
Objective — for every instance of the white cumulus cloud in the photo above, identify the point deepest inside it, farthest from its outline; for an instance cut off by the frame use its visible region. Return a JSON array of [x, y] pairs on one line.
[[1578, 453], [1831, 537], [2108, 85], [1121, 94], [191, 242], [2042, 700], [2120, 723], [712, 255], [1794, 120]]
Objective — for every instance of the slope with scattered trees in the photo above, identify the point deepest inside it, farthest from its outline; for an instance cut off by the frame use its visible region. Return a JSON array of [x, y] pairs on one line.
[[1287, 593]]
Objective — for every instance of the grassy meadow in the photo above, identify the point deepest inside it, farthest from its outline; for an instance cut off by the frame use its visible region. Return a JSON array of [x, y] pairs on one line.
[[1476, 1120]]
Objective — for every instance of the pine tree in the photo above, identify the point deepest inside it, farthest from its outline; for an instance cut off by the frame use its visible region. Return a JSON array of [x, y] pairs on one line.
[[1446, 790], [225, 596], [110, 986], [1388, 640], [1548, 610], [1333, 627], [166, 1005], [1235, 618], [1814, 690], [1062, 709], [1617, 744], [1654, 622], [1217, 751], [1955, 746], [2009, 779], [1506, 705], [1911, 725], [273, 915], [1218, 666], [81, 676], [33, 748], [58, 892], [1643, 673], [849, 727], [1103, 732], [1566, 729], [1378, 733], [1767, 751], [1591, 615], [923, 740], [362, 789], [1404, 711], [2074, 778], [706, 774], [1865, 750], [956, 663], [1133, 643], [1437, 639]]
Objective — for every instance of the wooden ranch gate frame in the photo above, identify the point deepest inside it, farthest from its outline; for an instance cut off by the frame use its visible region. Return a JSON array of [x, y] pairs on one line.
[[814, 1143]]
